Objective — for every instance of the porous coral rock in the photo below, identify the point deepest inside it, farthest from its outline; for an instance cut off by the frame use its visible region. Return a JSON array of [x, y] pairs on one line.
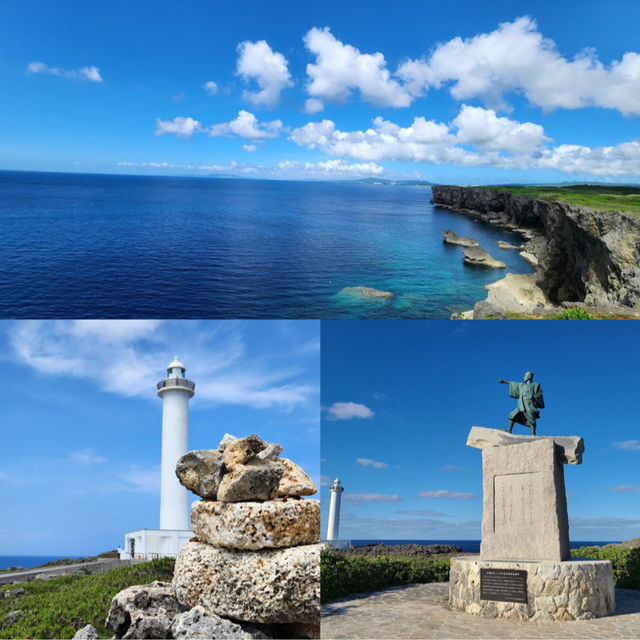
[[242, 450], [201, 472], [133, 609], [256, 480], [198, 623], [294, 481], [256, 525], [281, 586]]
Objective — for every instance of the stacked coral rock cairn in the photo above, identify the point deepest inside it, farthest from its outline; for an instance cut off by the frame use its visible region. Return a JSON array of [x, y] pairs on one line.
[[254, 563]]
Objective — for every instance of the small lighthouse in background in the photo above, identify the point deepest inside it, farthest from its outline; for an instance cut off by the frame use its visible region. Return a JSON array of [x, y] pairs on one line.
[[175, 522], [175, 391], [334, 509]]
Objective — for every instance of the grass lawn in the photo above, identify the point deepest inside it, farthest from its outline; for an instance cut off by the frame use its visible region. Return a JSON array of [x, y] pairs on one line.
[[601, 197], [58, 607]]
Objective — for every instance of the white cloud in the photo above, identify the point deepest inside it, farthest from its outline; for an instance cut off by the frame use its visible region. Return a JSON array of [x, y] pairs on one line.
[[483, 129], [113, 331], [341, 68], [611, 523], [354, 526], [366, 462], [180, 126], [422, 141], [86, 457], [129, 359], [86, 74], [246, 125], [445, 494], [210, 87], [329, 169], [334, 169], [257, 61], [476, 137], [249, 148], [424, 512], [515, 57], [325, 481], [619, 160], [313, 105], [626, 488], [142, 480], [348, 411], [362, 498], [255, 390], [629, 445]]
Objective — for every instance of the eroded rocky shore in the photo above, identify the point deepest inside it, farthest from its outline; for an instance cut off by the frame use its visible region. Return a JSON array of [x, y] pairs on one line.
[[585, 258]]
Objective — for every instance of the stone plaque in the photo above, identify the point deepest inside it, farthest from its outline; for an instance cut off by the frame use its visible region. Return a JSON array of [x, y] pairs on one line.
[[524, 510], [517, 500], [505, 585]]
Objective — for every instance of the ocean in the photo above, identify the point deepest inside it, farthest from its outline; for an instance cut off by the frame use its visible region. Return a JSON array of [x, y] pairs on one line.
[[27, 561], [107, 246], [471, 546]]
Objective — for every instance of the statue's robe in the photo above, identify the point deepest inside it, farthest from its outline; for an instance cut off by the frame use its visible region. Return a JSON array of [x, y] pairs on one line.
[[530, 399]]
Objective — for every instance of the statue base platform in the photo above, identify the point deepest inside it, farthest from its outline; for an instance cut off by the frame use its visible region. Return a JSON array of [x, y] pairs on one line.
[[548, 590]]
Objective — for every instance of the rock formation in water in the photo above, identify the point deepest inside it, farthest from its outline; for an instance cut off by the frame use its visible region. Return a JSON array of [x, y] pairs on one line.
[[451, 237], [584, 255], [478, 257], [365, 292]]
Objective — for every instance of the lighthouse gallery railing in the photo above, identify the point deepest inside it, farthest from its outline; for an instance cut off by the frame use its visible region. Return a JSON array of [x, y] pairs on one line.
[[176, 382]]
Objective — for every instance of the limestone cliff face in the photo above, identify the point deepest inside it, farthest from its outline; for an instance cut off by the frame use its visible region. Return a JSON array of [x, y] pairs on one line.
[[585, 255]]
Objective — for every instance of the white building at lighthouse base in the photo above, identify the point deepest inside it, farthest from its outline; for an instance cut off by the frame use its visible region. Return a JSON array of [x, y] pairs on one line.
[[147, 544]]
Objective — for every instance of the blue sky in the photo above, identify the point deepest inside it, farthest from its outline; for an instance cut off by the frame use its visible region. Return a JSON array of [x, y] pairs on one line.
[[399, 399], [462, 92], [81, 421]]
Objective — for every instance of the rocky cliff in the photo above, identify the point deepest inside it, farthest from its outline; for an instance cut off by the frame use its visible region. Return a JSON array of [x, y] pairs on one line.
[[584, 255]]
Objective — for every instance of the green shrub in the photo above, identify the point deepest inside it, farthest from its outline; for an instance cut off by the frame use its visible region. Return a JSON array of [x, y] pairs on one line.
[[58, 607], [575, 313], [626, 563], [341, 575]]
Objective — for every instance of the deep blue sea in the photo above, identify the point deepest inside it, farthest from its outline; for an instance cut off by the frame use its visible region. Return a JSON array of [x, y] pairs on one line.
[[104, 246], [471, 546], [27, 561]]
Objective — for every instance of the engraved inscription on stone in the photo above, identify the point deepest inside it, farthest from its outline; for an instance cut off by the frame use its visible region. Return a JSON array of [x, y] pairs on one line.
[[517, 498], [505, 585]]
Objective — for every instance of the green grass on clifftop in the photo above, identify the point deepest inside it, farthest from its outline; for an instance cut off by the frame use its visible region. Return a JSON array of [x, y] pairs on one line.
[[601, 197], [58, 607]]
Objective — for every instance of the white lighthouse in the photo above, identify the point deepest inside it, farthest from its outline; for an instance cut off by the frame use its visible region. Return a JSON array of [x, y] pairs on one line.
[[334, 509], [175, 391], [146, 544]]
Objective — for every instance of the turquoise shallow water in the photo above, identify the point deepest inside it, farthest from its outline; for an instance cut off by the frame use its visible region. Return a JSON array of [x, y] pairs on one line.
[[82, 246]]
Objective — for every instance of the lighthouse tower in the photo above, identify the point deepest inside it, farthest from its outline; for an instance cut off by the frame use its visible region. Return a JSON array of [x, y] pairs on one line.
[[175, 391], [334, 509], [146, 544]]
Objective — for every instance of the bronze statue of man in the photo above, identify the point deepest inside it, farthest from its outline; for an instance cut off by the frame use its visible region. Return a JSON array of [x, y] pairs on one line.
[[530, 400]]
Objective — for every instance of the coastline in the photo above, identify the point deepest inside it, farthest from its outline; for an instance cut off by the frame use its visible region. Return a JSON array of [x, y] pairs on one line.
[[583, 258]]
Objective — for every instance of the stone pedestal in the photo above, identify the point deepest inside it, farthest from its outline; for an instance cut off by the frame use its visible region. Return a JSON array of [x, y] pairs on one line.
[[524, 570], [524, 511], [572, 590]]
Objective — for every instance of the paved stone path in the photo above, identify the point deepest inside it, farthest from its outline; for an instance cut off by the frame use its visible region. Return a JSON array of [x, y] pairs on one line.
[[422, 611]]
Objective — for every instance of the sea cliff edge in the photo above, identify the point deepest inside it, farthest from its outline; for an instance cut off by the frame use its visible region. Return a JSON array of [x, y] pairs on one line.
[[586, 258]]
